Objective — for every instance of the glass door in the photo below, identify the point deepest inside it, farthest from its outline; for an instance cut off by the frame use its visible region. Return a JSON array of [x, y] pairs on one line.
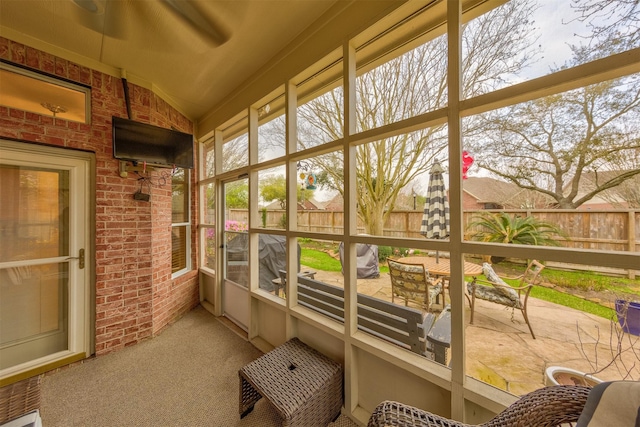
[[43, 286], [235, 282]]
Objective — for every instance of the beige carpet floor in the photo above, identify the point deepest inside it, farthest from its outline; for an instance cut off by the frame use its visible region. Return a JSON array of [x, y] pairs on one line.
[[186, 376]]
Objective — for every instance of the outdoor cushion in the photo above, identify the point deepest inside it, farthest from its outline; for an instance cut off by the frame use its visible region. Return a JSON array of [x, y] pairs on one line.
[[434, 291], [410, 278], [615, 403], [491, 293], [505, 289]]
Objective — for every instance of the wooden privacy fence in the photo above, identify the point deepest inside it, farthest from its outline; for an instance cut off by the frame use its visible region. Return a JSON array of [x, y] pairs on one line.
[[610, 230]]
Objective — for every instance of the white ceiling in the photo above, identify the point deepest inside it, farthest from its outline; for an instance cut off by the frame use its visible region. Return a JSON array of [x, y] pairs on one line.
[[193, 64]]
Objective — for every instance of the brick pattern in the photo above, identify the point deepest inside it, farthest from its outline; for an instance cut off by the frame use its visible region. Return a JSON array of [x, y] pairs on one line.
[[135, 295]]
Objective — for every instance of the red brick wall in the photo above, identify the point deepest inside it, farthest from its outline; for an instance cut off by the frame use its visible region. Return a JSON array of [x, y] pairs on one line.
[[470, 203], [135, 295]]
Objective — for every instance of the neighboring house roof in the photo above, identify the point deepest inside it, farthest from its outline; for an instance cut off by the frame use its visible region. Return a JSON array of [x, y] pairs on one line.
[[611, 198], [489, 190], [319, 205], [336, 203], [309, 205], [485, 189], [275, 205], [492, 191]]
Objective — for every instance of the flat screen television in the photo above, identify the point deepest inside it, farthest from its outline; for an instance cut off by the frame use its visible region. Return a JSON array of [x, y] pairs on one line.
[[140, 142]]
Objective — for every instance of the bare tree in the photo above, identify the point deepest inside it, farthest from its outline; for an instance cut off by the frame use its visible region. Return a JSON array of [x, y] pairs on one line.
[[628, 192], [614, 24], [559, 138], [496, 45]]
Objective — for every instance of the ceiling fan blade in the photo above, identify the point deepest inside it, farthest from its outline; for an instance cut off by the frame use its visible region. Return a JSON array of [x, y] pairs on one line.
[[188, 11], [98, 15]]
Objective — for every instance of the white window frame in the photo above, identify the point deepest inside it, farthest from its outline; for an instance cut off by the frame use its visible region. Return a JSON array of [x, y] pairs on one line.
[[187, 225]]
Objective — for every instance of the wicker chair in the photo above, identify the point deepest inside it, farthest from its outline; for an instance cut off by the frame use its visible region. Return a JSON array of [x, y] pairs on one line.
[[412, 282], [495, 290], [545, 407]]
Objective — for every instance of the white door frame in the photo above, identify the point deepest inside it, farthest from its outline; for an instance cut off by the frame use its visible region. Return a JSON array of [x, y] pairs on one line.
[[235, 297], [81, 297]]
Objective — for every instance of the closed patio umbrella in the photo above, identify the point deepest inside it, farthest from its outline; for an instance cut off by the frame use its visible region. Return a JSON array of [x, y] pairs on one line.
[[435, 219]]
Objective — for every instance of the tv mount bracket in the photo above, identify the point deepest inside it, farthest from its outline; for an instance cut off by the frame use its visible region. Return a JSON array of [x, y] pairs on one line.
[[144, 167]]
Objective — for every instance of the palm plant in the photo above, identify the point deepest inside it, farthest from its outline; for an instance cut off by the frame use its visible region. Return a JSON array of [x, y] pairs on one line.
[[504, 228]]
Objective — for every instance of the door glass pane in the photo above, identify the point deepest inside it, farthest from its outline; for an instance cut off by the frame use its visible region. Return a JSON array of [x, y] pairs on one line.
[[34, 224], [33, 300], [34, 214], [209, 222], [236, 236], [272, 191]]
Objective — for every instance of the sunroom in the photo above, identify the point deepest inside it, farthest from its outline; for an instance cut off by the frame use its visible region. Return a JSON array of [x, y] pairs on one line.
[[312, 149]]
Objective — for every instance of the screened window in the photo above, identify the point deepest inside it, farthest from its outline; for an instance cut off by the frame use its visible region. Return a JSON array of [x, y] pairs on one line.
[[544, 131], [320, 98], [181, 225]]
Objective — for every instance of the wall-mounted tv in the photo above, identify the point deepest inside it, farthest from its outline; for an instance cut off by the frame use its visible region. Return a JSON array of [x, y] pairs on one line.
[[140, 142]]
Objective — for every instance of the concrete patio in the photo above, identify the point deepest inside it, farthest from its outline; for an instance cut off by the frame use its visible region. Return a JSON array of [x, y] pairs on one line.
[[501, 351]]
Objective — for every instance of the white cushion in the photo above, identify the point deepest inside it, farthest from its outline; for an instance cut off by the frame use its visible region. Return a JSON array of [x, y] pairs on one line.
[[505, 289]]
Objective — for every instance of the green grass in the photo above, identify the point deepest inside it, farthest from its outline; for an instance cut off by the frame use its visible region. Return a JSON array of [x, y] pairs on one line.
[[586, 280], [571, 301], [565, 299], [319, 260]]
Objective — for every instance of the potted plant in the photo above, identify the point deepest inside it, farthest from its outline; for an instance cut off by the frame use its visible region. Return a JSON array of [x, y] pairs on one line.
[[559, 375], [628, 314]]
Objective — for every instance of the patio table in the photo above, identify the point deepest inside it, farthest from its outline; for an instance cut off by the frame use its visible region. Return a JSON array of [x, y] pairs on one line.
[[442, 268]]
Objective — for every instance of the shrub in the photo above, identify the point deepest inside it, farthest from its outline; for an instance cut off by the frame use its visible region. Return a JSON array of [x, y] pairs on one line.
[[384, 252], [504, 228], [263, 215]]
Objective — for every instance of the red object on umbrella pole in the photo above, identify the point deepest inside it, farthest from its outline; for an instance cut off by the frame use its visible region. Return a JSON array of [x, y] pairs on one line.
[[467, 161]]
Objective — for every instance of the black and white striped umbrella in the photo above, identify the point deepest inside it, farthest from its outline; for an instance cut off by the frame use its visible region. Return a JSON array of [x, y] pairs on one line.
[[435, 220]]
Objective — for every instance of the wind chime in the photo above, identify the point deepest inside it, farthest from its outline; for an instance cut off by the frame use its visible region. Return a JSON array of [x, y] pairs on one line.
[[308, 178]]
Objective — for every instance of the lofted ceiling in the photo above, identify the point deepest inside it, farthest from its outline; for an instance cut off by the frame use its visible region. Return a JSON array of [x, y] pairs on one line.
[[193, 53]]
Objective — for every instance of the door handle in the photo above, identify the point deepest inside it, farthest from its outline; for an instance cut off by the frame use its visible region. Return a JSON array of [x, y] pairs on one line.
[[80, 258]]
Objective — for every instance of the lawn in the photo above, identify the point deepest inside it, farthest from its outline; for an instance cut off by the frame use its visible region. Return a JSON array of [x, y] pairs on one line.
[[568, 300], [319, 260]]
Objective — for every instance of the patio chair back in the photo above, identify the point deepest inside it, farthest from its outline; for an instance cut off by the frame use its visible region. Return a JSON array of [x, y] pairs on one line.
[[495, 290], [531, 275], [411, 282]]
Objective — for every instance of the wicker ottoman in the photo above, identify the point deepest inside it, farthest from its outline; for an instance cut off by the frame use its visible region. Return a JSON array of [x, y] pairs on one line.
[[19, 398], [303, 385]]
